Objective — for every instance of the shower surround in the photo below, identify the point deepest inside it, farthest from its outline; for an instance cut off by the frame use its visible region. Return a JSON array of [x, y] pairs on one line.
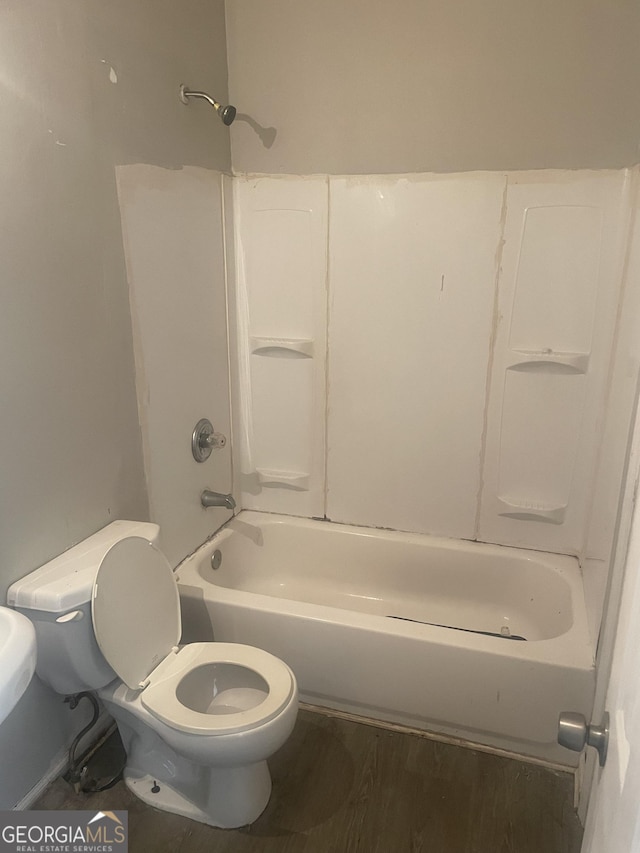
[[434, 353]]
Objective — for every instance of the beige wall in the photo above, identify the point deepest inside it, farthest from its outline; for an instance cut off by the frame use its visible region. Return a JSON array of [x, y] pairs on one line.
[[431, 85], [84, 86]]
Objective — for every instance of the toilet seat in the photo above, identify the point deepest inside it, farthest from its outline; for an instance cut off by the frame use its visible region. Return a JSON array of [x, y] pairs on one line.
[[160, 696]]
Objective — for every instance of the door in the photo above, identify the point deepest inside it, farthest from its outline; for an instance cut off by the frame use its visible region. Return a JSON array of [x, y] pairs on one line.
[[613, 817]]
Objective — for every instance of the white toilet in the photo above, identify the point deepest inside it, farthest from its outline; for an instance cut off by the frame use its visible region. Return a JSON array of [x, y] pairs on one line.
[[197, 722]]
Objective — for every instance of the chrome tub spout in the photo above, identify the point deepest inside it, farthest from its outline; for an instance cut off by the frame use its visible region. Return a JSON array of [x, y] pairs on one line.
[[209, 498]]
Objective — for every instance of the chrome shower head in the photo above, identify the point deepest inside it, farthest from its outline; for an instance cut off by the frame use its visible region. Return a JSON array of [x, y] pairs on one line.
[[227, 114]]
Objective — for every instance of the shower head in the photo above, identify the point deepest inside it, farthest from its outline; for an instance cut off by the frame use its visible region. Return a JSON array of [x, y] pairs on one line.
[[227, 114]]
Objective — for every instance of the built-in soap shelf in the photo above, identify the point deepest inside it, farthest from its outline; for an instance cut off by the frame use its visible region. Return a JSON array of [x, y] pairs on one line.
[[282, 347], [547, 359], [532, 511], [298, 480]]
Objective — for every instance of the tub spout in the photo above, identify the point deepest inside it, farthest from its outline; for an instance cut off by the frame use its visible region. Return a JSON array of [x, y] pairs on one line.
[[209, 498]]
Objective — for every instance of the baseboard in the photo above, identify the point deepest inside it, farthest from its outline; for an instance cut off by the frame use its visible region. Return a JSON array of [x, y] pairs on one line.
[[437, 736], [56, 769]]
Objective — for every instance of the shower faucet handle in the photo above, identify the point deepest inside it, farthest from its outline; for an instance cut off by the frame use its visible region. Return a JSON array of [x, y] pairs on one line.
[[204, 439], [214, 440]]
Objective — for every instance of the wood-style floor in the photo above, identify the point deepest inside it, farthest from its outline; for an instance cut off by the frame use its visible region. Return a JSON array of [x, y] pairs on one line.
[[345, 787]]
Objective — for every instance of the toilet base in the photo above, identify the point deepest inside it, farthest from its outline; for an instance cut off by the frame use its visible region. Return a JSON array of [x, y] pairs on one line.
[[222, 796], [236, 797]]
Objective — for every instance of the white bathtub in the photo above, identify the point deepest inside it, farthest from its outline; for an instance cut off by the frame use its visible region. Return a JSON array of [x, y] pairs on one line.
[[359, 616]]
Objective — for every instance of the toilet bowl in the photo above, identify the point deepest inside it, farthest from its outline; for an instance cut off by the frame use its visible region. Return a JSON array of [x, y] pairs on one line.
[[212, 766], [198, 722]]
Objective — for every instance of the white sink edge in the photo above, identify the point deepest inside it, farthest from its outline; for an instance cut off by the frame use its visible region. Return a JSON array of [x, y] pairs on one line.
[[17, 658]]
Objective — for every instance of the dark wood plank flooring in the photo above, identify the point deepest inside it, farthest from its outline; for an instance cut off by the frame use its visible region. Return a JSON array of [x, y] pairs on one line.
[[345, 787]]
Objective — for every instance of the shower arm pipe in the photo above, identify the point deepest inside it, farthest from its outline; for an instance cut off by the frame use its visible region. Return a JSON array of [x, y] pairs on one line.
[[227, 114], [189, 93]]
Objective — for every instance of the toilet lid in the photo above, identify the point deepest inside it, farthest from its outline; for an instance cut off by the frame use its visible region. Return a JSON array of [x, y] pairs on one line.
[[136, 609]]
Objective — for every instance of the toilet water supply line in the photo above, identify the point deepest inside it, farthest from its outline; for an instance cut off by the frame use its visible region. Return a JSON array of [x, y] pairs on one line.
[[76, 773]]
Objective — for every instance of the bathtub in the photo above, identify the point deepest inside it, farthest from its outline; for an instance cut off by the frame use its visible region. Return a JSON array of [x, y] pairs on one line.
[[480, 642]]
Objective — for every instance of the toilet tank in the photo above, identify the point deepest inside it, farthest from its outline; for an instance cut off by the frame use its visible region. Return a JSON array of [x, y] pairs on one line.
[[57, 599]]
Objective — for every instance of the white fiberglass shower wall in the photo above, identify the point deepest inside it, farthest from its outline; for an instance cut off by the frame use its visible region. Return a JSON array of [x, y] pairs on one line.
[[470, 322]]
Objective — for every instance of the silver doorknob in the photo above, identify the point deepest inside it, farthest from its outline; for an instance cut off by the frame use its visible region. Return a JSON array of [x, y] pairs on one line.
[[575, 734]]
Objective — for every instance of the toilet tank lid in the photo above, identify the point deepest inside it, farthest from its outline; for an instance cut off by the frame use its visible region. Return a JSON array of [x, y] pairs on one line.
[[67, 581]]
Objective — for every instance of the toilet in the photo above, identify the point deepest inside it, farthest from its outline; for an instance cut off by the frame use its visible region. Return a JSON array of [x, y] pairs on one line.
[[199, 721]]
